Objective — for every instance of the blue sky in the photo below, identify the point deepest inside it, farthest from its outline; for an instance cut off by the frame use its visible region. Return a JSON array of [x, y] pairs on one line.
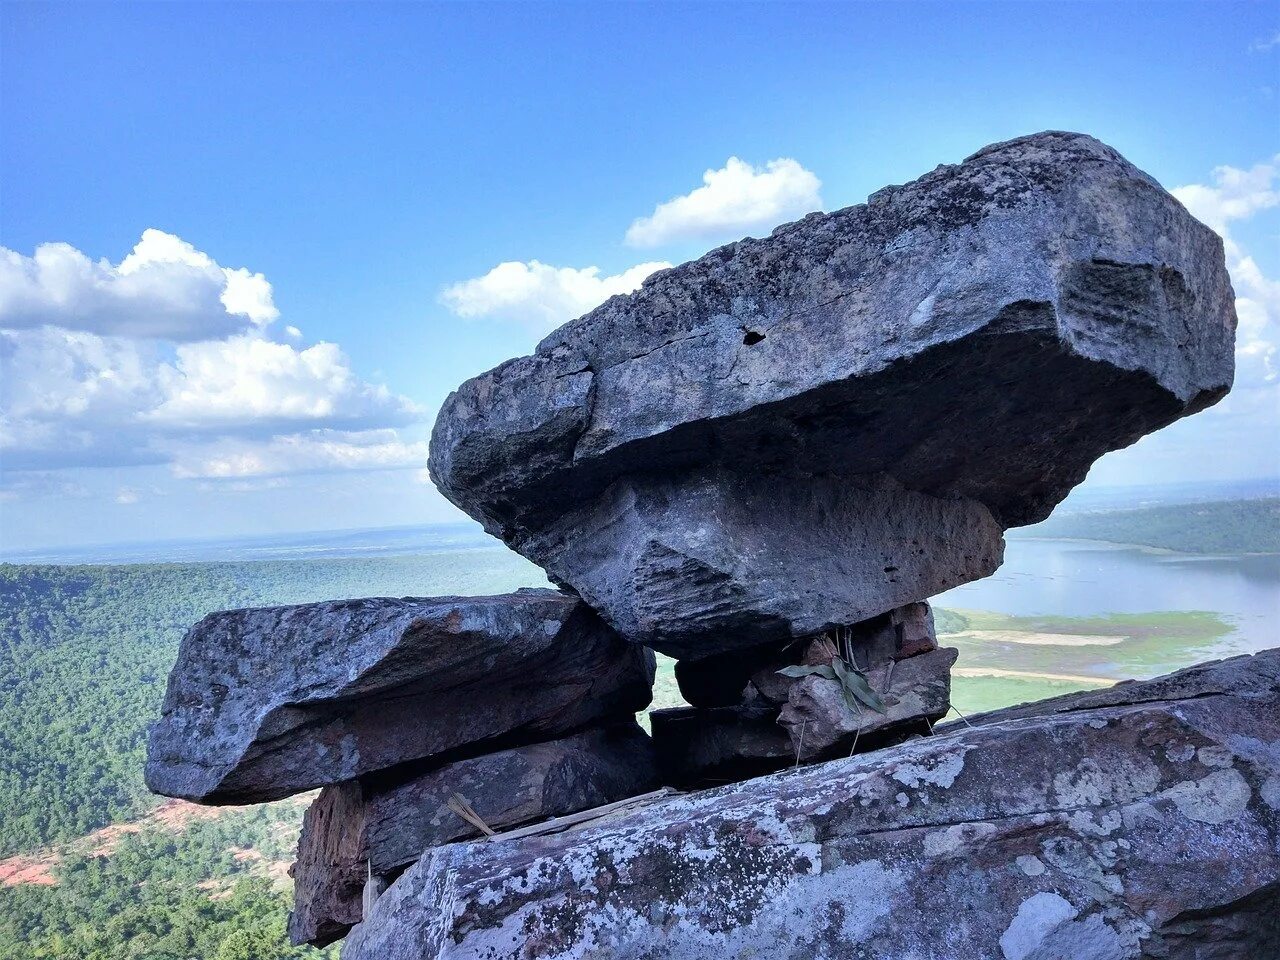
[[321, 181]]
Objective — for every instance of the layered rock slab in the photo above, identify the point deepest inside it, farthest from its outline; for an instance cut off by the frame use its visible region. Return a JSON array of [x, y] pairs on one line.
[[1139, 822], [376, 826], [268, 702], [807, 430]]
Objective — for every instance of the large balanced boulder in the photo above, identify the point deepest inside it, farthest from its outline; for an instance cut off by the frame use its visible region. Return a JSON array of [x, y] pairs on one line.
[[808, 430], [376, 826], [1138, 822], [268, 702]]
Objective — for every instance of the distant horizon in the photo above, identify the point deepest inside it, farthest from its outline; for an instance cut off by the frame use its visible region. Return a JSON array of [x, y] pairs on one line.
[[473, 536]]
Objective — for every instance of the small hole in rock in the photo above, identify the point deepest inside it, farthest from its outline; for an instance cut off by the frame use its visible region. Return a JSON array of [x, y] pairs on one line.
[[752, 338], [890, 569]]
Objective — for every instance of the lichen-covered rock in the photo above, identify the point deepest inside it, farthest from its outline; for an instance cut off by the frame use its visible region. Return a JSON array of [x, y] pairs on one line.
[[380, 824], [268, 702], [1139, 822], [808, 430], [916, 693]]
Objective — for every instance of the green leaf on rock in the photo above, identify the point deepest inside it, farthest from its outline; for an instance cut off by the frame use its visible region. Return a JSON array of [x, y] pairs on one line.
[[854, 683]]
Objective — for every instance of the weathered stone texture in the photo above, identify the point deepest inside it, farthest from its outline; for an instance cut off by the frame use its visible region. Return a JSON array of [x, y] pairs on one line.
[[916, 694], [721, 680], [806, 430], [700, 747], [1139, 822], [379, 825], [264, 703]]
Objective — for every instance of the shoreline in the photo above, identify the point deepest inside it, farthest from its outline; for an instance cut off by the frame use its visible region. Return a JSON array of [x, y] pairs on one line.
[[1147, 548]]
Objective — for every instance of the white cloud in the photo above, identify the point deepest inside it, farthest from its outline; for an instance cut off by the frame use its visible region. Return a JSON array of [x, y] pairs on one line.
[[69, 398], [1234, 194], [168, 358], [1266, 44], [540, 295], [316, 451], [734, 201], [165, 288], [245, 380], [127, 495]]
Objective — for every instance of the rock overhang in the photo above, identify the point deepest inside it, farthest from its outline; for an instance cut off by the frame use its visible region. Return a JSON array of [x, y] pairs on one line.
[[979, 336]]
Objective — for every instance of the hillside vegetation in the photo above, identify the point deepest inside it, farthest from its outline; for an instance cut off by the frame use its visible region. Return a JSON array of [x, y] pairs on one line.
[[1223, 527], [84, 653]]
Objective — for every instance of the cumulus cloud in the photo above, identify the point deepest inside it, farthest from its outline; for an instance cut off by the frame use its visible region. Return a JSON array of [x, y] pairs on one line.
[[539, 295], [736, 200], [245, 380], [316, 451], [169, 358], [70, 398], [165, 288], [1232, 195]]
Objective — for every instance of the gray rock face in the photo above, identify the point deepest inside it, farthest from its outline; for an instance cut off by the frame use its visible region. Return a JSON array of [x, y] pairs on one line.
[[1137, 822], [369, 826], [916, 693], [808, 430], [269, 702], [721, 680], [704, 747]]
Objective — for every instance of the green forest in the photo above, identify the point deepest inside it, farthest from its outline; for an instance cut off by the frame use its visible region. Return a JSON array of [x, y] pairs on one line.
[[1224, 527], [84, 653]]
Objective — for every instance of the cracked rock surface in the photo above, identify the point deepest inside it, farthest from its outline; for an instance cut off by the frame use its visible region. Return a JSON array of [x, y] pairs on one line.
[[807, 430], [268, 702], [1138, 822], [380, 824]]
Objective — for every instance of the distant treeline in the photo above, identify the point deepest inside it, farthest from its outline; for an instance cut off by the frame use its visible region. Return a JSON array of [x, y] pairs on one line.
[[1228, 526]]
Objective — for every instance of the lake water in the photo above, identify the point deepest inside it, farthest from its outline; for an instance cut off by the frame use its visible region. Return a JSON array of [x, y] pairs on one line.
[[1074, 578]]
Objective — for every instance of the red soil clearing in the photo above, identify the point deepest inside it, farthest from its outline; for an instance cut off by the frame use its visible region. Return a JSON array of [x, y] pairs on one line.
[[36, 869]]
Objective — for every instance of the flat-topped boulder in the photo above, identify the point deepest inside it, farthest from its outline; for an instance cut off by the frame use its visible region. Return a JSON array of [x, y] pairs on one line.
[[1128, 824], [378, 825], [268, 702], [810, 429]]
